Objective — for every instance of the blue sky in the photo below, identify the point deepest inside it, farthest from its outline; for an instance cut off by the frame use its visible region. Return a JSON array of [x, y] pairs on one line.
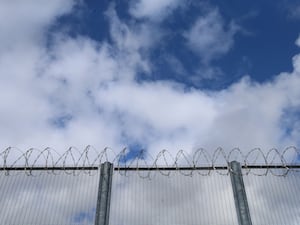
[[150, 74], [262, 48]]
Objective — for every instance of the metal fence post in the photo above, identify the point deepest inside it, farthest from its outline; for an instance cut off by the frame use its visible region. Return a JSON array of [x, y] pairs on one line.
[[239, 193], [104, 193]]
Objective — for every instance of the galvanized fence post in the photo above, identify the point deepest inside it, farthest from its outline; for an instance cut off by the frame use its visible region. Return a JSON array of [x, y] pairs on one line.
[[239, 193], [104, 193]]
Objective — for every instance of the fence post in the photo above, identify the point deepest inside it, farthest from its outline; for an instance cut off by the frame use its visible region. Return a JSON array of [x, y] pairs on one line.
[[104, 193], [239, 193]]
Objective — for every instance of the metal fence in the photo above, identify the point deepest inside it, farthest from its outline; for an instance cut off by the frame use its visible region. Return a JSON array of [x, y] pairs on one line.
[[219, 189]]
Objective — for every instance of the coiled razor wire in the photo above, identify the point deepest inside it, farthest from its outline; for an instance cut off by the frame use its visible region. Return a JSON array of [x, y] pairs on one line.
[[73, 161]]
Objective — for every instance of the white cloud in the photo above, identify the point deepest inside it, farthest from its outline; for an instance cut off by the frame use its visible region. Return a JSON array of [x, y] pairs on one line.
[[22, 22], [164, 115], [298, 41], [155, 10], [209, 37], [132, 41], [92, 87]]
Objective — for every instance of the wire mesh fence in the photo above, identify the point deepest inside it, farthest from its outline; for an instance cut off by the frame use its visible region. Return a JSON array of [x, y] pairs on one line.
[[185, 189], [175, 199], [47, 199], [274, 200]]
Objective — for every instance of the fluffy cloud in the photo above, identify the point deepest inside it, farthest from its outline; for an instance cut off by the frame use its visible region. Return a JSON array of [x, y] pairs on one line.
[[193, 118], [298, 41], [78, 92], [209, 37], [23, 109], [155, 10], [22, 22]]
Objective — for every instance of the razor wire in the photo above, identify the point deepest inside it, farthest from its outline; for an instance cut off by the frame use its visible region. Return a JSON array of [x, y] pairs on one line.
[[73, 161]]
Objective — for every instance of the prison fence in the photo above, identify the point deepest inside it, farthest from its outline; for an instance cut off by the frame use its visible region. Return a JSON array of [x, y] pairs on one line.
[[100, 187]]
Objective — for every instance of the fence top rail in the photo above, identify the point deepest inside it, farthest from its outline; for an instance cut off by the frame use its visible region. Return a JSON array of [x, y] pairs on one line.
[[48, 159], [143, 168]]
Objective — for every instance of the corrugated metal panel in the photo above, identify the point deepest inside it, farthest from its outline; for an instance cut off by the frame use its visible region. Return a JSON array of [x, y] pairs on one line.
[[48, 199], [274, 199], [173, 200]]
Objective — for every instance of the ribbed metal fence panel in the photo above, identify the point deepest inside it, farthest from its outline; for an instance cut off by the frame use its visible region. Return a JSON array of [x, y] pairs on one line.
[[148, 197], [274, 199], [48, 199], [172, 200]]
